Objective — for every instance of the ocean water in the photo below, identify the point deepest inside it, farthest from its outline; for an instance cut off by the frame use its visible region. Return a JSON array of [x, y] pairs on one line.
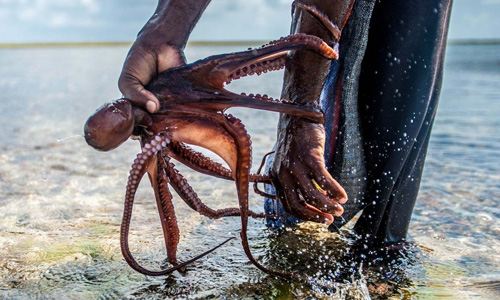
[[61, 201]]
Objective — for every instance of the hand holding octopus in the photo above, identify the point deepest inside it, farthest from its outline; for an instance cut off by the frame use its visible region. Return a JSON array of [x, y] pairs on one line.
[[192, 102]]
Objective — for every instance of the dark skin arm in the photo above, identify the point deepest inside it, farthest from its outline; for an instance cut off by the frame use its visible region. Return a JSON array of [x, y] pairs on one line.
[[299, 165], [159, 46]]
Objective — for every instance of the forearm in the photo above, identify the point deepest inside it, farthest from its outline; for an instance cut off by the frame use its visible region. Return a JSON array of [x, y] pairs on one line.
[[306, 71], [299, 167], [173, 21]]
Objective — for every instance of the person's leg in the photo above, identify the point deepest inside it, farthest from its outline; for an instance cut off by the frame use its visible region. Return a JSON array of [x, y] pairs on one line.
[[399, 89], [344, 146]]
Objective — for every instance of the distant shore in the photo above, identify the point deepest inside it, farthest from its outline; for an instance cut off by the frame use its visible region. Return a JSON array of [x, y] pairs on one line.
[[119, 44], [198, 43]]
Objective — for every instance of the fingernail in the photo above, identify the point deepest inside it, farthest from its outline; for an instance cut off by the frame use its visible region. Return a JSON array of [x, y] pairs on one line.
[[151, 106]]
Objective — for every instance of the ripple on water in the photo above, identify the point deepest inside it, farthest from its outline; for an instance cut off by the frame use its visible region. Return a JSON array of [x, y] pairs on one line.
[[62, 201], [84, 279]]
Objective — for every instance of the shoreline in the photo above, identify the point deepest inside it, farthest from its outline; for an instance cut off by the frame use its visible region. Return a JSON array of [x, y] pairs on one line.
[[197, 43], [126, 43]]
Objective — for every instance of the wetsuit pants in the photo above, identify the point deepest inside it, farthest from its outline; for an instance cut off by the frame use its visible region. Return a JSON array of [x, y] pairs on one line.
[[380, 101]]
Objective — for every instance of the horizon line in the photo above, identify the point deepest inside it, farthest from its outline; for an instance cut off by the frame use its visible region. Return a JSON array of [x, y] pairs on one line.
[[199, 43], [126, 43]]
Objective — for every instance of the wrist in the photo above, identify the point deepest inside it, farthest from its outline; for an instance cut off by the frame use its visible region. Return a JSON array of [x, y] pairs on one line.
[[155, 36], [173, 22], [296, 127]]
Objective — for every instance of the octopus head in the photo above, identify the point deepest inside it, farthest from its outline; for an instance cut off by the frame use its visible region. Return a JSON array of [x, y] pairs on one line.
[[110, 126]]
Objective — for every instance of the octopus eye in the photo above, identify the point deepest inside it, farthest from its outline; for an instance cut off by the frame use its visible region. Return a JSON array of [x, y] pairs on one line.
[[110, 126]]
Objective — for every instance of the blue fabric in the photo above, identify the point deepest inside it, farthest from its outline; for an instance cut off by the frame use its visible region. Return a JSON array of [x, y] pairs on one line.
[[274, 207], [327, 102]]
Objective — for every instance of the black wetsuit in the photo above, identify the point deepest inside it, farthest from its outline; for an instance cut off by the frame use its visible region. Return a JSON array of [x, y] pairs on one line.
[[380, 101]]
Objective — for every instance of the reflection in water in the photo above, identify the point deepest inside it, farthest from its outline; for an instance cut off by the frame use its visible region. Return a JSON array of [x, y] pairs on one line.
[[62, 201]]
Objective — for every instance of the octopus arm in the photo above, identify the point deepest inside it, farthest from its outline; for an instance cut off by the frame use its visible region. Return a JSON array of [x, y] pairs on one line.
[[241, 174], [203, 164], [139, 167], [159, 182], [186, 192]]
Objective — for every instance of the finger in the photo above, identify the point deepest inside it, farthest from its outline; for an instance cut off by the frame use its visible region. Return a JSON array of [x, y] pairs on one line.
[[139, 68], [328, 218], [332, 188], [134, 90], [300, 209], [319, 200], [280, 194]]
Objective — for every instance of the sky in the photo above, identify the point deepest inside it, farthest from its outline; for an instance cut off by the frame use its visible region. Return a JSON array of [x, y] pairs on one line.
[[32, 21]]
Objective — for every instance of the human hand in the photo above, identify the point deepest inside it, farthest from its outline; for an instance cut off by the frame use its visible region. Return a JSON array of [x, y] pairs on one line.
[[146, 59], [303, 185]]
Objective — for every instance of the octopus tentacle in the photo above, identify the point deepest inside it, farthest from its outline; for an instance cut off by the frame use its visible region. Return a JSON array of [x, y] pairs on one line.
[[259, 178], [322, 18], [167, 212], [197, 161], [203, 164], [265, 57], [267, 98], [243, 144], [186, 192], [137, 172], [269, 56], [255, 184]]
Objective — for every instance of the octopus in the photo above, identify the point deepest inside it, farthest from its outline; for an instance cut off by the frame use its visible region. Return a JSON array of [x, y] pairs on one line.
[[193, 104]]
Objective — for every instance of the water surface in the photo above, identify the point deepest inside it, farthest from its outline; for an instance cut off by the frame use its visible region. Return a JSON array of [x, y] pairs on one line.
[[62, 201]]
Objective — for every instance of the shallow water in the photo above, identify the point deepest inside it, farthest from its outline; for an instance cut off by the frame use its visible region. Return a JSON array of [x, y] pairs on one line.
[[62, 201]]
